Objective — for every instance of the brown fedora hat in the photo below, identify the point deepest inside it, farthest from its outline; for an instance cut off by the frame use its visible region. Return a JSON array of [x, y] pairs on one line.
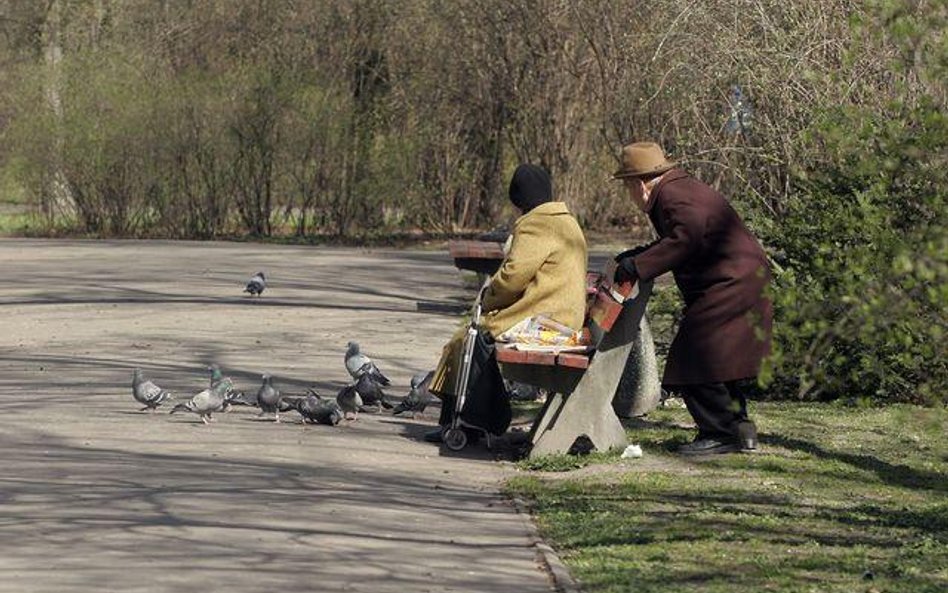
[[643, 158]]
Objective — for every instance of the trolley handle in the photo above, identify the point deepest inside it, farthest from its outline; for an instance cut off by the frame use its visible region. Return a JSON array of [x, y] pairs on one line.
[[476, 317]]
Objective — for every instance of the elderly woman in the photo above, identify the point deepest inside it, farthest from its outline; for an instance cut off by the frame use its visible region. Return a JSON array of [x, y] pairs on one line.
[[544, 272]]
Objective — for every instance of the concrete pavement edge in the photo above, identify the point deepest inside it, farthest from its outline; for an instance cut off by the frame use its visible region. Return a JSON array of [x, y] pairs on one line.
[[563, 581]]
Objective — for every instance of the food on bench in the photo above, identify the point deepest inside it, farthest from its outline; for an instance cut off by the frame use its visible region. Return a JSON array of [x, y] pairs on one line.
[[541, 330]]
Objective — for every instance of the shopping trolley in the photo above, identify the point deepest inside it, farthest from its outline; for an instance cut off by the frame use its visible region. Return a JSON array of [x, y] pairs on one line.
[[465, 418]]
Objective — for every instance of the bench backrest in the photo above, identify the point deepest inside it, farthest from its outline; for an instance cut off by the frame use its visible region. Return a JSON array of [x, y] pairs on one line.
[[605, 303], [476, 250]]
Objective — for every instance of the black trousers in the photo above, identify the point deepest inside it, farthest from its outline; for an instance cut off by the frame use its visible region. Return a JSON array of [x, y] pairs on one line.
[[719, 409]]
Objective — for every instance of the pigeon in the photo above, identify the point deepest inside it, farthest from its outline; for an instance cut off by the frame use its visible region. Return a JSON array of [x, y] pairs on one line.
[[349, 401], [371, 393], [522, 391], [268, 398], [147, 393], [317, 410], [289, 403], [359, 364], [218, 377], [231, 396], [239, 398], [258, 282], [418, 397], [205, 403]]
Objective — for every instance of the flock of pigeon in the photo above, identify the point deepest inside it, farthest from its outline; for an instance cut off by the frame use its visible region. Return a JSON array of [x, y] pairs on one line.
[[364, 392]]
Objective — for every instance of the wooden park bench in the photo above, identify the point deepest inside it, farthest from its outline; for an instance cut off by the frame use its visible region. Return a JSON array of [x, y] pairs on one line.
[[483, 257], [581, 386]]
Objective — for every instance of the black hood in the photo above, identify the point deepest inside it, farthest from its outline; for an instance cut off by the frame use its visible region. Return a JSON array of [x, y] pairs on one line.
[[530, 186]]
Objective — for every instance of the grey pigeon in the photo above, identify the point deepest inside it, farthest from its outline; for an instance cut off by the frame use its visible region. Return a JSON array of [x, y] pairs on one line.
[[359, 364], [317, 410], [205, 403], [349, 401], [258, 282], [371, 393], [231, 395], [418, 397], [217, 377], [147, 393], [269, 398], [289, 403], [522, 391], [239, 398]]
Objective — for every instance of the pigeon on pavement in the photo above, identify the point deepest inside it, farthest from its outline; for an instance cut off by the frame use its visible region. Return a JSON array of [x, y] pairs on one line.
[[371, 393], [288, 403], [359, 364], [239, 398], [349, 401], [315, 409], [258, 282], [204, 403], [418, 397], [522, 391], [269, 398], [231, 395], [218, 377], [147, 393]]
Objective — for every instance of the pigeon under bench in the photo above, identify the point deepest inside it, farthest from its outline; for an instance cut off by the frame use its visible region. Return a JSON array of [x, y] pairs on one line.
[[581, 386]]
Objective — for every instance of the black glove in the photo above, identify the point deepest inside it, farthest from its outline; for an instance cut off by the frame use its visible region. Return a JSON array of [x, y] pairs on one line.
[[625, 271], [634, 251]]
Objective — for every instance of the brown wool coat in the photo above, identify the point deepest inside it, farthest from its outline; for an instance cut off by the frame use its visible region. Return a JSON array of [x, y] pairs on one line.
[[543, 273], [721, 271]]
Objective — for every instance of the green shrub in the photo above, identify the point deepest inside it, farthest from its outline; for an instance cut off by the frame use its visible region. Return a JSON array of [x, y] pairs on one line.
[[861, 283], [861, 292]]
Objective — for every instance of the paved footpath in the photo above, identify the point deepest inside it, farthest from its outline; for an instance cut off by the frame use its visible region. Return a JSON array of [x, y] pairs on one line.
[[96, 496]]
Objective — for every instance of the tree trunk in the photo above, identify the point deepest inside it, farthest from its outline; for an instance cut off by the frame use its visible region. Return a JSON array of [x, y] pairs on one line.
[[100, 10], [58, 199]]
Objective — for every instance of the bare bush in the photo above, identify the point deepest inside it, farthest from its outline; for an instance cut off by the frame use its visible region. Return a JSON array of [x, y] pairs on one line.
[[346, 118]]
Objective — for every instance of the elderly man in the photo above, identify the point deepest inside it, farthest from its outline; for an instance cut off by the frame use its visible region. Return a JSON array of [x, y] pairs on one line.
[[722, 272]]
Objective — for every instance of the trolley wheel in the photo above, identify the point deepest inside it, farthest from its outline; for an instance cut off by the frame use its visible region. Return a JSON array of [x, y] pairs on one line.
[[455, 439]]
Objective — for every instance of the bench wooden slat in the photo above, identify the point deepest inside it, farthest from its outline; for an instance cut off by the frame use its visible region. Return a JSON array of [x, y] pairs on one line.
[[602, 311], [483, 257], [605, 305], [575, 360], [572, 360], [514, 356], [476, 250]]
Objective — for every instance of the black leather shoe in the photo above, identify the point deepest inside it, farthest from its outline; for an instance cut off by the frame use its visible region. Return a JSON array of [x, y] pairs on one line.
[[747, 433], [435, 436], [709, 446]]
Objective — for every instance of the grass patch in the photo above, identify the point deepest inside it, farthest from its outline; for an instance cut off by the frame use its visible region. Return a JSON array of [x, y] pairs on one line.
[[565, 463], [17, 223], [15, 216], [839, 499], [525, 410]]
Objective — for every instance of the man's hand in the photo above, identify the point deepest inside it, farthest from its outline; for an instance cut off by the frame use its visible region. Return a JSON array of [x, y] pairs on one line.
[[629, 253], [625, 271]]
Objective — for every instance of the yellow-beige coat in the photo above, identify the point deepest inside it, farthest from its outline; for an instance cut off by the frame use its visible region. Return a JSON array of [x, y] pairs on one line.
[[543, 273]]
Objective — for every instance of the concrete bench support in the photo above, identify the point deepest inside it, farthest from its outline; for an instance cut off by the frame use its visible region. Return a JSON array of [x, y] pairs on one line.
[[580, 401], [640, 388]]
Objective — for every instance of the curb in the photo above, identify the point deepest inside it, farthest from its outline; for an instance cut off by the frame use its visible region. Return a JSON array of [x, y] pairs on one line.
[[563, 581]]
